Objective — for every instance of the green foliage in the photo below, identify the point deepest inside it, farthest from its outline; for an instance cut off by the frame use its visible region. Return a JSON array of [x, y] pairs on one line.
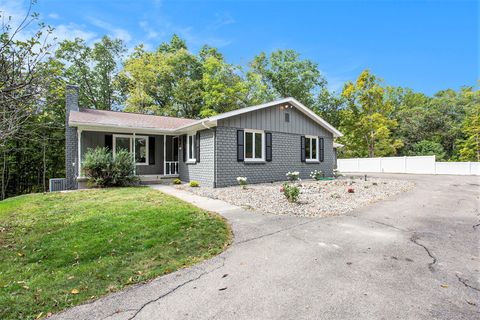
[[177, 181], [95, 69], [283, 74], [194, 184], [428, 148], [470, 144], [366, 120], [96, 242], [291, 192], [104, 170]]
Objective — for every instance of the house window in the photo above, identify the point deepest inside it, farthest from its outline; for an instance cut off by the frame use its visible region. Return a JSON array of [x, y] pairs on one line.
[[287, 117], [254, 145], [125, 142], [141, 150], [191, 148], [311, 148]]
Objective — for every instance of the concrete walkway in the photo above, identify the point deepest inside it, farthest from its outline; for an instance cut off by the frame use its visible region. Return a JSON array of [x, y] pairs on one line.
[[413, 256]]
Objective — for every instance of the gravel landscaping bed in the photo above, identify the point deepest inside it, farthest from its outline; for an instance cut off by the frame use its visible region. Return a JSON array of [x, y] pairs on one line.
[[317, 198]]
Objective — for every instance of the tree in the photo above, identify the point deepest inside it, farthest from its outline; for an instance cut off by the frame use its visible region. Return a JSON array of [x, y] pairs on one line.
[[223, 89], [329, 106], [365, 121], [21, 62], [173, 81], [428, 148], [284, 74], [95, 69], [470, 145], [166, 82]]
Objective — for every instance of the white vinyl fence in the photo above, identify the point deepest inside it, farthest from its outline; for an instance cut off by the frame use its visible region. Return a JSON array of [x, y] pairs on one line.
[[420, 165]]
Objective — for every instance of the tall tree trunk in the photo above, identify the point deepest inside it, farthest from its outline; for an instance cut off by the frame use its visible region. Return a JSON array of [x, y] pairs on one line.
[[44, 163]]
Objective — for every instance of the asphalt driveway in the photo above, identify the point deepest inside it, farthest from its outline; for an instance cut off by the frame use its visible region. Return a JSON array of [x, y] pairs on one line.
[[413, 256]]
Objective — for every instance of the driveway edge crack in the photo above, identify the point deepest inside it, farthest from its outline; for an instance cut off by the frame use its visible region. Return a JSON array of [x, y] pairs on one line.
[[176, 288], [464, 282], [414, 238]]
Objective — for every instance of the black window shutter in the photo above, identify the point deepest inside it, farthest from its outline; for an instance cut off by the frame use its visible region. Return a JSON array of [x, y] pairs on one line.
[[184, 148], [268, 146], [197, 147], [109, 142], [302, 148], [322, 148], [151, 150], [240, 145]]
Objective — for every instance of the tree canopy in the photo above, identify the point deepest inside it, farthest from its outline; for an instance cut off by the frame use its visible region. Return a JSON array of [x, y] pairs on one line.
[[376, 119]]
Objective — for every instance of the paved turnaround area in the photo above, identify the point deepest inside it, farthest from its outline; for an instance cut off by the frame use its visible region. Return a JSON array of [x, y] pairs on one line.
[[413, 256]]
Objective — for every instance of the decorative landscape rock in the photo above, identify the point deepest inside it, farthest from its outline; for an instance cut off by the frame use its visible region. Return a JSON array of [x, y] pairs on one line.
[[317, 198]]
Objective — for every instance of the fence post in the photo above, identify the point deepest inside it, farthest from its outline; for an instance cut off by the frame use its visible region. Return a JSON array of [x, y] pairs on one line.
[[404, 164]]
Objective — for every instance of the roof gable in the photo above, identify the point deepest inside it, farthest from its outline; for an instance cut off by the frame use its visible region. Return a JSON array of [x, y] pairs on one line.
[[291, 101]]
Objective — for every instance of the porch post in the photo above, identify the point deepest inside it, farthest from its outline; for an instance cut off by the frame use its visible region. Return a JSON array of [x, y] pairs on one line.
[[79, 142], [133, 154], [165, 155]]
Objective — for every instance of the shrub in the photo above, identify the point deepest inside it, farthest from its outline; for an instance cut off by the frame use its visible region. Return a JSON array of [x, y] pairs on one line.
[[194, 184], [103, 170], [177, 181], [336, 173], [242, 181], [317, 174], [291, 192], [293, 176]]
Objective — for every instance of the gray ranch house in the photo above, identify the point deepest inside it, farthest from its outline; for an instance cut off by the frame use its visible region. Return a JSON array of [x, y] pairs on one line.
[[260, 142]]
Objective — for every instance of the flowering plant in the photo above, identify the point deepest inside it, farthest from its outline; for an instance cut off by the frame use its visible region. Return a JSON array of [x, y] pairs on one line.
[[293, 176], [317, 174], [242, 181]]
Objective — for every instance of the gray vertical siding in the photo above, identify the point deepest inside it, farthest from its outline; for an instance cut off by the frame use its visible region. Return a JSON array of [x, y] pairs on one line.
[[273, 119], [93, 139], [202, 171]]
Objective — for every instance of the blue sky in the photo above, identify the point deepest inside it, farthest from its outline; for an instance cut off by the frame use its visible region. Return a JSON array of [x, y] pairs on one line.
[[424, 45]]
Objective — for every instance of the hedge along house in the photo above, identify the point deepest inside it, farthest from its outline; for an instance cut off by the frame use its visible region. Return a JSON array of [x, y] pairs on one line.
[[261, 143]]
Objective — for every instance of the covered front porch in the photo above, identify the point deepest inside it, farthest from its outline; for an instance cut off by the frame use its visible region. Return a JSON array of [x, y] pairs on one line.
[[155, 155]]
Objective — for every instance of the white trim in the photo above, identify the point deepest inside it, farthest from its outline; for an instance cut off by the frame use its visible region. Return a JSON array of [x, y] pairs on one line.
[[132, 146], [194, 152], [309, 158], [164, 154], [79, 142], [245, 131]]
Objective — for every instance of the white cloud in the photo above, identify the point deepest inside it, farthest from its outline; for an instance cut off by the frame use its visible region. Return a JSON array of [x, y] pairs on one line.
[[151, 33], [71, 31], [53, 15], [114, 32]]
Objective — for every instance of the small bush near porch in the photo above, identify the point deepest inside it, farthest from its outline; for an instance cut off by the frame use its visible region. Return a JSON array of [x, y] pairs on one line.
[[61, 249]]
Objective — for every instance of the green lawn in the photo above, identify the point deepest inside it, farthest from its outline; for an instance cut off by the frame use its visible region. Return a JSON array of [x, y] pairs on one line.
[[60, 249]]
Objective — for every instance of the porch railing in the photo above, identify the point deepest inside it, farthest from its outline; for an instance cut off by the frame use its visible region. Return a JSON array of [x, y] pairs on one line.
[[171, 167]]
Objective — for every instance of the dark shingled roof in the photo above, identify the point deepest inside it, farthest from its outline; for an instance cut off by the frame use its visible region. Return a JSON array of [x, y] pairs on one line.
[[126, 119]]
